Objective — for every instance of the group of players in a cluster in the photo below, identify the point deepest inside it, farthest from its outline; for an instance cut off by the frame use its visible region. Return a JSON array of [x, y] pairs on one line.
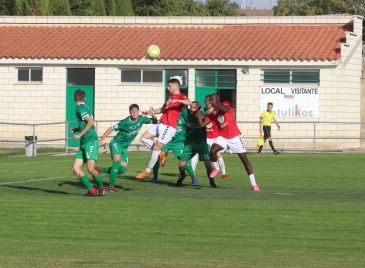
[[191, 133]]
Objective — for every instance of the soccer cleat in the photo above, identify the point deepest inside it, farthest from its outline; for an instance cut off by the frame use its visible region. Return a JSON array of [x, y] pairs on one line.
[[112, 189], [276, 152], [163, 158], [256, 188], [179, 182], [225, 177], [212, 183], [214, 173], [154, 180], [143, 174], [102, 191], [195, 182], [98, 169], [91, 192]]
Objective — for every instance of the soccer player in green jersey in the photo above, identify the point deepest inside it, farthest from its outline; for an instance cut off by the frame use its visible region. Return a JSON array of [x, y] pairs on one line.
[[89, 145], [195, 143], [177, 144], [127, 129]]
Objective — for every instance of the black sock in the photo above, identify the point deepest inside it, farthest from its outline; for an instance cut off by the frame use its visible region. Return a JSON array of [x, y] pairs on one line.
[[272, 146], [260, 148]]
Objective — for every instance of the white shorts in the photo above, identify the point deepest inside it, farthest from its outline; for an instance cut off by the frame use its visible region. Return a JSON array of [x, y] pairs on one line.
[[235, 145], [163, 132], [210, 142]]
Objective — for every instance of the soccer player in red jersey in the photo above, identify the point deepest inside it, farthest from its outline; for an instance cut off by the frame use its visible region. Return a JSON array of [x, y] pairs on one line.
[[229, 137], [166, 128], [212, 135]]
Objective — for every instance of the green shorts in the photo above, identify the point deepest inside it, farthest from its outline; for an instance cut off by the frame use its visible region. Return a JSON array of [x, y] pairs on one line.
[[118, 148], [88, 151], [175, 147], [191, 149]]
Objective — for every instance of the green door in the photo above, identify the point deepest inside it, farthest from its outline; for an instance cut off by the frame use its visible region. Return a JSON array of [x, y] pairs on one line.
[[78, 79], [215, 81]]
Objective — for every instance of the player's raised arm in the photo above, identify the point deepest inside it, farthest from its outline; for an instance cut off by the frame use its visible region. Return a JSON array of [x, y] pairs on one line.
[[185, 102], [89, 124]]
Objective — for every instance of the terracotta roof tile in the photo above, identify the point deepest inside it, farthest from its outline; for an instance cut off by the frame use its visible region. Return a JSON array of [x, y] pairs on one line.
[[228, 42]]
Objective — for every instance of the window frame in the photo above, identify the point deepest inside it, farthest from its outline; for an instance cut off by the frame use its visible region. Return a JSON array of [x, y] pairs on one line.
[[290, 82], [141, 82], [29, 69]]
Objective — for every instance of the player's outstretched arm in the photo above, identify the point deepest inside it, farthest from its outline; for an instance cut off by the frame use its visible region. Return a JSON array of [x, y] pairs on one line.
[[277, 123], [105, 135], [185, 102], [89, 124]]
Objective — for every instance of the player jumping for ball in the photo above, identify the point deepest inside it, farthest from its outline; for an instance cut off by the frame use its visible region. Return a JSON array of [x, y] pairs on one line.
[[89, 146], [229, 137], [127, 129], [166, 128]]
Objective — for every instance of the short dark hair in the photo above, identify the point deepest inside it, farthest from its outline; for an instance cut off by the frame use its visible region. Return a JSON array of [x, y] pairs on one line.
[[270, 103], [79, 95], [132, 106], [197, 102], [174, 81]]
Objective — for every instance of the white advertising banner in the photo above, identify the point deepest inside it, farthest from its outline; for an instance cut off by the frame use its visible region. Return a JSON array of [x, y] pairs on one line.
[[291, 101]]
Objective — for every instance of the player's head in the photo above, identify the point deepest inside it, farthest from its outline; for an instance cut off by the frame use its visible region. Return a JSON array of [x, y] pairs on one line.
[[207, 102], [270, 105], [214, 98], [173, 86], [134, 110], [195, 106], [79, 95]]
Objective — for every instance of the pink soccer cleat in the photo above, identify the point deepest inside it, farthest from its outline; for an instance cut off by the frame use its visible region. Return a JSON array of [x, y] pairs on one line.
[[256, 188], [214, 173]]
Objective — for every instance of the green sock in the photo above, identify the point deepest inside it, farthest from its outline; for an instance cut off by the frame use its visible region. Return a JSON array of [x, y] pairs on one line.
[[98, 181], [105, 170], [85, 181], [189, 169], [114, 173], [156, 167], [122, 170]]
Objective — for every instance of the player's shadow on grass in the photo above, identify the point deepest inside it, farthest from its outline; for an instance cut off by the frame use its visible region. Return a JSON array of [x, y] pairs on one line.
[[160, 182], [37, 189], [72, 183]]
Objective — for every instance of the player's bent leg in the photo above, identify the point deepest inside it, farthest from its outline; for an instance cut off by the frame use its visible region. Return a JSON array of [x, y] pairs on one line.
[[214, 158], [249, 171], [96, 176], [182, 169], [114, 172], [76, 169], [194, 162], [222, 165]]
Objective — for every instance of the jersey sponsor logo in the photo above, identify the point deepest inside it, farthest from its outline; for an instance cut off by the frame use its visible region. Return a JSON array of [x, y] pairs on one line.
[[210, 125]]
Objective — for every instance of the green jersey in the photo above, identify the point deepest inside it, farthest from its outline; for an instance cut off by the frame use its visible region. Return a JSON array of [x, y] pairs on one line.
[[194, 133], [181, 127], [82, 111], [128, 130]]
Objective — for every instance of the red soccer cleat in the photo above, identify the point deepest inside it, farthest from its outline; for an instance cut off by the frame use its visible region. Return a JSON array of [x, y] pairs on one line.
[[102, 191], [98, 169], [225, 177], [91, 192]]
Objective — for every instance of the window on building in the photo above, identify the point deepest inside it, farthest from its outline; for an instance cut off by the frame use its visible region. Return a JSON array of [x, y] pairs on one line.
[[286, 76], [80, 76], [30, 74], [141, 76], [182, 76]]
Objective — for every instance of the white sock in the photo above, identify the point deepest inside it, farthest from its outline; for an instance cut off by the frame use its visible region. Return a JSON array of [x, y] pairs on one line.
[[215, 165], [252, 179], [194, 161], [153, 160], [222, 165], [147, 142]]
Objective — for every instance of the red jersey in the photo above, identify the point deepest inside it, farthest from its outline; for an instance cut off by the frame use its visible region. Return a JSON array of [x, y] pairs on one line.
[[212, 129], [172, 111], [227, 126]]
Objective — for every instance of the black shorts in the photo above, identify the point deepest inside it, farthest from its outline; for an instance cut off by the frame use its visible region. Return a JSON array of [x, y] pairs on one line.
[[267, 132]]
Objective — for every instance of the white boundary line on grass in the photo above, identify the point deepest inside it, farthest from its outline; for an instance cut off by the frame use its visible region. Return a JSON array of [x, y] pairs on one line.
[[34, 180]]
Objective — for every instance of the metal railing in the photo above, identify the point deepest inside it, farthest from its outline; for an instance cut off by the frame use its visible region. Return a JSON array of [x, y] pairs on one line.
[[311, 136]]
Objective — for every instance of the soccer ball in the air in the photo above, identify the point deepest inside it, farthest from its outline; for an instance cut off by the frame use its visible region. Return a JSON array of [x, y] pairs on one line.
[[153, 51]]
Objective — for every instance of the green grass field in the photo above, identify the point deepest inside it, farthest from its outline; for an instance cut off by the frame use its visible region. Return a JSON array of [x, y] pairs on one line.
[[310, 213]]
